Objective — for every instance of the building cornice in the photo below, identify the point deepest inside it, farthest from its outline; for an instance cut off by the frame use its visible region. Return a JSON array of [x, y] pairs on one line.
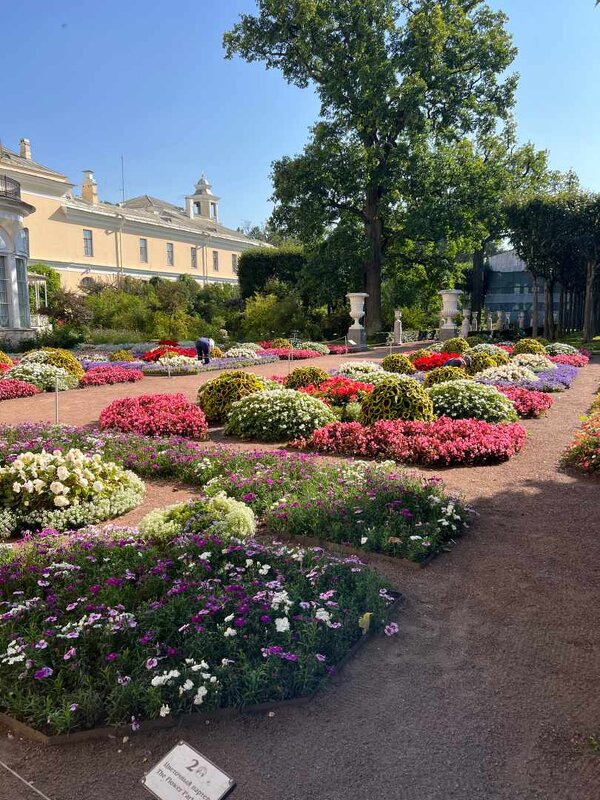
[[131, 272]]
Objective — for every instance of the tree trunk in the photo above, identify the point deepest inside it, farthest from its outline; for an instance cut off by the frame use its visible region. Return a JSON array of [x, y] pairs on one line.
[[534, 305], [549, 309], [562, 311], [477, 294], [588, 305], [373, 267]]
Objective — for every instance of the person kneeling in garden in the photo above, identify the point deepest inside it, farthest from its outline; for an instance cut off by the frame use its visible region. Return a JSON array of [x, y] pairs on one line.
[[203, 346]]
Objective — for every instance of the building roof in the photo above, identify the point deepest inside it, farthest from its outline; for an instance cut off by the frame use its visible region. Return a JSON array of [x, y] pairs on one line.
[[16, 161]]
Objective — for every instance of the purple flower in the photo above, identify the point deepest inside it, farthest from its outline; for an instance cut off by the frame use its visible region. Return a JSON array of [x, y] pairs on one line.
[[391, 629], [73, 706], [112, 657], [320, 657], [44, 672], [135, 725], [70, 653]]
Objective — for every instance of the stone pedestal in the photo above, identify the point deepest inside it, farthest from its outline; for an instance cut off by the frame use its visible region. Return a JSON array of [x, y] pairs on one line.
[[448, 327], [356, 332]]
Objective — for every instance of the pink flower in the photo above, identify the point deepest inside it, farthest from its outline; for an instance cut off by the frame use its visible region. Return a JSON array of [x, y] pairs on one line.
[[70, 653], [155, 415], [43, 673], [100, 376], [391, 629]]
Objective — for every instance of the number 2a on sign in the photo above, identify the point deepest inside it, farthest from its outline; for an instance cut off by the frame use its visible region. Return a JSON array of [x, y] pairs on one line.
[[185, 774]]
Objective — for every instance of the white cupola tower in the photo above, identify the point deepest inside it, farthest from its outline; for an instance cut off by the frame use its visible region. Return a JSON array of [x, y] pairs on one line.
[[203, 203]]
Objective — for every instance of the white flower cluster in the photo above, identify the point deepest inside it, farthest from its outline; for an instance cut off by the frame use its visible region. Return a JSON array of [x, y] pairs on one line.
[[44, 376], [242, 351], [174, 360], [193, 686], [65, 490], [230, 518], [466, 399], [509, 372], [492, 349], [358, 369], [316, 346], [277, 415], [561, 349], [534, 362]]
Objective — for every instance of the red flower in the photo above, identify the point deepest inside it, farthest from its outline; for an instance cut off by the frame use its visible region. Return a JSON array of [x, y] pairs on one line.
[[427, 363], [100, 376], [10, 389], [158, 352], [155, 415], [527, 403], [338, 390]]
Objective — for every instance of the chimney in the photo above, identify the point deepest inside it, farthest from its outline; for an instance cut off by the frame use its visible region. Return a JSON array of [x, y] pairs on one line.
[[89, 187], [25, 149]]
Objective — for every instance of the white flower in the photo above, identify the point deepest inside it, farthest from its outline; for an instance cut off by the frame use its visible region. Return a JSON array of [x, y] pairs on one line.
[[165, 711], [229, 633], [282, 624], [60, 501], [56, 487], [200, 695], [97, 486]]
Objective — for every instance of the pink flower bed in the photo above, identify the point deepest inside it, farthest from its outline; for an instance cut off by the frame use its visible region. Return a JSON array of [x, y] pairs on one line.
[[337, 349], [100, 376], [4, 368], [526, 402], [426, 363], [441, 443], [155, 415], [575, 360], [10, 389], [284, 352]]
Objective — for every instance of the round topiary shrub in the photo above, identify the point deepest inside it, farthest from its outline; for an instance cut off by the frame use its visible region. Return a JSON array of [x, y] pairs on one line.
[[529, 346], [121, 355], [398, 397], [424, 352], [397, 362], [56, 357], [64, 491], [222, 515], [4, 359], [554, 349], [442, 375], [217, 396], [155, 415], [305, 376], [45, 376], [282, 343], [510, 373], [469, 400], [535, 363], [277, 415], [475, 340], [477, 362], [455, 345], [501, 357], [322, 349]]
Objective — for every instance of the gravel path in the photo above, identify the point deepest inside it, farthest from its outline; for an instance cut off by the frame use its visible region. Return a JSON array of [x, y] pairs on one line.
[[486, 693]]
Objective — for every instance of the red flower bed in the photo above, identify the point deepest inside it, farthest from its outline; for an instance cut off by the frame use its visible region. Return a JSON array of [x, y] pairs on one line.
[[168, 342], [575, 360], [10, 389], [442, 442], [338, 391], [159, 352], [4, 368], [100, 376], [431, 362], [338, 349], [155, 415], [508, 348], [527, 403], [284, 352]]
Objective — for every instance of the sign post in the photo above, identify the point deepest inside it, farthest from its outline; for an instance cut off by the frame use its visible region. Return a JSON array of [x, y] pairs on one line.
[[185, 774], [56, 401]]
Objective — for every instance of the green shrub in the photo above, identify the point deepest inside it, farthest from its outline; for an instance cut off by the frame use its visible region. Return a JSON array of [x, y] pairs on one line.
[[469, 400], [216, 397], [479, 362], [529, 346], [396, 362], [316, 346], [277, 416], [121, 355], [398, 397], [474, 340], [455, 345], [500, 357], [46, 377], [56, 357], [424, 352], [304, 376], [442, 375], [221, 515]]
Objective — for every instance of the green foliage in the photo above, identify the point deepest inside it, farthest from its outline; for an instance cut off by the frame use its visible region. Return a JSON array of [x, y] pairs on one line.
[[278, 415], [305, 376], [216, 397], [224, 516], [57, 357], [52, 279], [398, 397], [424, 352], [474, 340], [281, 342], [455, 345], [275, 313], [529, 346], [396, 362], [469, 400], [443, 375], [121, 355], [262, 264], [481, 361]]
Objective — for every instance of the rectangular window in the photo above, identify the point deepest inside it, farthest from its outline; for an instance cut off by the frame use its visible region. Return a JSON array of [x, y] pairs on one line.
[[144, 251], [170, 255], [234, 263], [4, 296], [23, 293], [215, 260], [88, 243], [194, 255]]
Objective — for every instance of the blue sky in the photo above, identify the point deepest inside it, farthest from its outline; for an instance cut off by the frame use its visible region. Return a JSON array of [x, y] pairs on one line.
[[88, 82]]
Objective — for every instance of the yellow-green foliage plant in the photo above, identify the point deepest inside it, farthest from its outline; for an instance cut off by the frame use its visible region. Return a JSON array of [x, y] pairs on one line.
[[443, 375], [121, 355], [397, 397], [4, 359], [480, 361], [455, 345], [424, 352], [305, 376], [397, 362], [529, 346], [217, 396], [56, 357]]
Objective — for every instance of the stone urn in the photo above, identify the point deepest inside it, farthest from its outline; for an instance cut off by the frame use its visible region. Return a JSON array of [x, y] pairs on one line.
[[448, 327], [356, 332], [397, 326]]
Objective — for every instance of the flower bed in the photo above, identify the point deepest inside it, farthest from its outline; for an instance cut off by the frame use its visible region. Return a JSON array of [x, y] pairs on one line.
[[63, 490], [164, 350], [528, 403], [584, 452], [338, 350], [295, 354], [277, 415], [150, 629], [89, 364], [359, 370], [155, 415], [45, 376], [574, 360], [100, 376], [215, 364], [466, 399], [443, 442], [338, 391], [11, 389], [425, 363]]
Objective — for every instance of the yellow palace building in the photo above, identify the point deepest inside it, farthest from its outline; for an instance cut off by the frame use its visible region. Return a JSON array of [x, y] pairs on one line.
[[144, 237]]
